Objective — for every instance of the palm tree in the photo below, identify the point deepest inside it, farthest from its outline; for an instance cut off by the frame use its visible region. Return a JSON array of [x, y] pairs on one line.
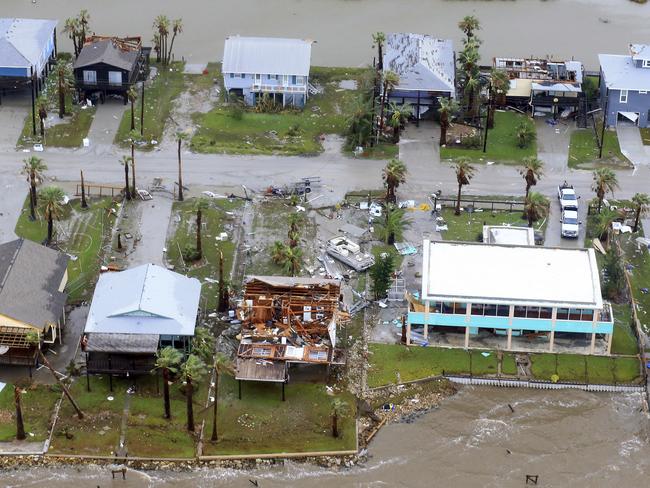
[[464, 173], [64, 83], [448, 108], [359, 123], [50, 199], [295, 221], [34, 339], [472, 88], [469, 25], [84, 203], [604, 181], [132, 95], [34, 168], [525, 133], [180, 136], [278, 252], [200, 205], [532, 171], [603, 224], [125, 162], [535, 207], [499, 86], [84, 21], [134, 137], [222, 364], [71, 28], [223, 294], [393, 175], [167, 360], [20, 424], [292, 260], [399, 116], [41, 109], [390, 81], [392, 228], [161, 26], [641, 202], [177, 28], [378, 39], [339, 407], [191, 370]]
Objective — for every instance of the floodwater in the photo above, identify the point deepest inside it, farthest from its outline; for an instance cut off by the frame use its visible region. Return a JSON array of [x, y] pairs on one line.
[[567, 438], [343, 28]]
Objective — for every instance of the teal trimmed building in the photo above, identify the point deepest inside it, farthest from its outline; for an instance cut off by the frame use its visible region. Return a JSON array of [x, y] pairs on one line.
[[509, 291]]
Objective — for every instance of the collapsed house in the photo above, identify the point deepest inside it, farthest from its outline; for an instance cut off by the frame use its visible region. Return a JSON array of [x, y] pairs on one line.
[[285, 321]]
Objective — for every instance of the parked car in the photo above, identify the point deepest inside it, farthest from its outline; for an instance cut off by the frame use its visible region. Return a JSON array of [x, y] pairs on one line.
[[567, 196], [570, 224]]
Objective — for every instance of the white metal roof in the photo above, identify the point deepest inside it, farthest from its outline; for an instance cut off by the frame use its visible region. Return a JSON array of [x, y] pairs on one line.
[[513, 275], [621, 74], [508, 234], [267, 55], [22, 41], [147, 299], [421, 61], [556, 86], [640, 51]]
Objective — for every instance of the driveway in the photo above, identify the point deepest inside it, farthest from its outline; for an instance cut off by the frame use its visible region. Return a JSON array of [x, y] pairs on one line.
[[13, 111], [553, 144], [148, 223], [554, 227], [629, 139], [104, 127]]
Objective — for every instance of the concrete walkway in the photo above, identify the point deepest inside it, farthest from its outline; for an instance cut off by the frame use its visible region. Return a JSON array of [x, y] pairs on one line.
[[104, 127], [631, 145], [553, 144], [148, 222], [13, 111]]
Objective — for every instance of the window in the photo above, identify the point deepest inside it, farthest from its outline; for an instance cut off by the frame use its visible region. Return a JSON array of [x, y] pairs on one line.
[[232, 75], [300, 80], [520, 311], [447, 307], [477, 309], [562, 314], [115, 77], [646, 63], [643, 92], [90, 77], [490, 310], [503, 310], [258, 78], [587, 315], [545, 312], [460, 308], [318, 355], [623, 96], [532, 312], [242, 76], [293, 79]]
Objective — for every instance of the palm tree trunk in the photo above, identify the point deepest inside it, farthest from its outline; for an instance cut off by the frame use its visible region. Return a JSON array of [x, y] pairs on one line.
[[49, 228], [457, 212], [61, 96], [600, 203], [199, 248], [527, 189], [391, 238], [214, 436], [32, 184], [222, 286], [190, 405], [444, 124], [490, 118], [84, 204], [132, 115], [134, 192], [383, 105], [636, 218], [168, 410], [530, 220], [44, 360], [180, 173], [171, 46], [335, 425], [127, 191], [32, 210], [42, 126], [20, 425]]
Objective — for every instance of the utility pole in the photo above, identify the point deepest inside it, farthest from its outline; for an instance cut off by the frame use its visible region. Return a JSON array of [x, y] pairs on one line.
[[142, 111], [31, 71], [487, 117], [602, 131]]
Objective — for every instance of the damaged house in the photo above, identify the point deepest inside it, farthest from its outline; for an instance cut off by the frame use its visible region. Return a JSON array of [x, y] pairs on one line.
[[287, 321]]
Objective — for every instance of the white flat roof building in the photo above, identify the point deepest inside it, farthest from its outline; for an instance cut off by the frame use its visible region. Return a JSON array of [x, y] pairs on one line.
[[508, 234], [510, 275]]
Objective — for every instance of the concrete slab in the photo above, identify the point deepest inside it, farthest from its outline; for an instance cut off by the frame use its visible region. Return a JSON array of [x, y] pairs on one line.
[[148, 223], [553, 144], [629, 140], [105, 124], [14, 109]]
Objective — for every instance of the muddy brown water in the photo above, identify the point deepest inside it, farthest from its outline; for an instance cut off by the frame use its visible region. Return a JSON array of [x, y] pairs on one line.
[[342, 28], [567, 438]]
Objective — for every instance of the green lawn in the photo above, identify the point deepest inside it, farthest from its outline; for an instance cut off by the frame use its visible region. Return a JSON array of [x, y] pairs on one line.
[[583, 150], [501, 146], [414, 363], [83, 232], [469, 226], [262, 423], [645, 135], [68, 133], [384, 150], [149, 434], [289, 132], [38, 405], [99, 432], [159, 97], [639, 275], [624, 341], [214, 218]]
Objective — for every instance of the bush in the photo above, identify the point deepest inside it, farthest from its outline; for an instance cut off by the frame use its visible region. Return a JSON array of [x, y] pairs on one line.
[[294, 130], [525, 133], [236, 110], [190, 253], [472, 142]]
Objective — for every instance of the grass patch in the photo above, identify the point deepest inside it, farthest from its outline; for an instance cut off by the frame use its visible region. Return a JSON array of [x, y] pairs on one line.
[[262, 423], [578, 368], [80, 233], [38, 405], [68, 133], [290, 132], [159, 97], [384, 150], [469, 226], [624, 341], [509, 365], [99, 432], [215, 219], [645, 135], [501, 146], [583, 150]]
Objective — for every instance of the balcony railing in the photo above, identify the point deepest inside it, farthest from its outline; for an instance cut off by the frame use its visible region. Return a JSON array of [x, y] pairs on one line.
[[261, 87]]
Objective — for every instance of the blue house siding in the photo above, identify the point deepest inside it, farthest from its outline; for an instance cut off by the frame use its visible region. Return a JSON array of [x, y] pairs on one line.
[[245, 82], [636, 102], [15, 72]]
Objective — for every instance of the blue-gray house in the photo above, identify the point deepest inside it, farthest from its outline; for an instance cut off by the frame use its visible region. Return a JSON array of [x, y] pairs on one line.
[[27, 47], [624, 86], [254, 66], [425, 66]]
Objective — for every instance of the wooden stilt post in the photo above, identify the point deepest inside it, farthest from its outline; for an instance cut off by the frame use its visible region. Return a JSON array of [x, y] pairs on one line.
[[239, 385], [283, 397]]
